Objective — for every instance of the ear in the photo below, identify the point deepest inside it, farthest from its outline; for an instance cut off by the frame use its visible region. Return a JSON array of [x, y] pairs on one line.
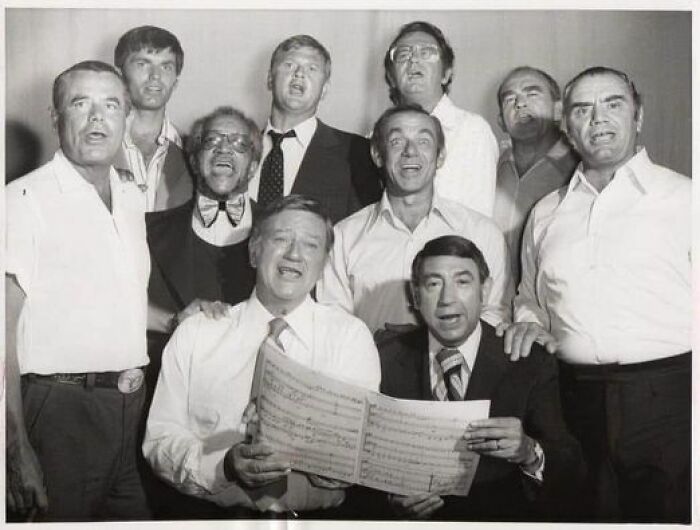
[[54, 118], [175, 84], [326, 85], [640, 119], [376, 155], [486, 289], [269, 79], [415, 295], [253, 252], [557, 110], [446, 75], [441, 158]]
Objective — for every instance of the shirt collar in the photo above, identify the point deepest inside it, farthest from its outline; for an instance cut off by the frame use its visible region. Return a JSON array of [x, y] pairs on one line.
[[168, 132], [469, 348], [68, 177], [636, 170], [383, 210], [300, 319], [445, 111], [304, 131]]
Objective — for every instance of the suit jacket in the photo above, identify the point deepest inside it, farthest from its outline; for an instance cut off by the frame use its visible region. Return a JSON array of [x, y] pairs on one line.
[[527, 389], [337, 170], [175, 186]]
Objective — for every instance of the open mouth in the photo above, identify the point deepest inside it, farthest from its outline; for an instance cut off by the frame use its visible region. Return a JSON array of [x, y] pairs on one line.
[[602, 137], [154, 88], [96, 136], [450, 318], [289, 273], [297, 88], [416, 74], [224, 163], [411, 167]]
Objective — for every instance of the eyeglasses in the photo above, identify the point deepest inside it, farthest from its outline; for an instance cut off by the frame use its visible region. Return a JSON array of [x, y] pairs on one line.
[[424, 52], [239, 142]]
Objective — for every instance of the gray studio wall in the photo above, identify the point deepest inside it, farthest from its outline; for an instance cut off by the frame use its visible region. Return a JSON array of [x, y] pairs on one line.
[[227, 55]]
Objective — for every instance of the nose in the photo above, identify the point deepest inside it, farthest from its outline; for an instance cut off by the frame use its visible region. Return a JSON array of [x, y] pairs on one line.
[[293, 251], [96, 113], [154, 72], [299, 71], [409, 149], [446, 294], [520, 102], [598, 113]]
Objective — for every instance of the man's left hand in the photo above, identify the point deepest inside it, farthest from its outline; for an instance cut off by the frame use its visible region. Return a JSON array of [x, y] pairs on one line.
[[501, 438]]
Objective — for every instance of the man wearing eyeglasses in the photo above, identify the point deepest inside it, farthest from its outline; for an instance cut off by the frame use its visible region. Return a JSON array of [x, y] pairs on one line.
[[301, 154], [418, 69]]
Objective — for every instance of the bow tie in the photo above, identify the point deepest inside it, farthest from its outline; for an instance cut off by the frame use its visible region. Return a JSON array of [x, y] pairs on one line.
[[209, 209]]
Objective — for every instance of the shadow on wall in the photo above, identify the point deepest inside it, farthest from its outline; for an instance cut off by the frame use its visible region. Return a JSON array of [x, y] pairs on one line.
[[22, 150]]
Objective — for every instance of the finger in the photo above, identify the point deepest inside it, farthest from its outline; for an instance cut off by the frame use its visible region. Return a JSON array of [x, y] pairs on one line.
[[254, 450], [260, 479], [501, 328], [14, 502], [249, 412], [428, 506], [485, 423], [42, 500], [551, 345], [413, 500]]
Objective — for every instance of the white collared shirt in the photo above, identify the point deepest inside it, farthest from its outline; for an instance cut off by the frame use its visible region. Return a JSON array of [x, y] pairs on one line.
[[83, 269], [469, 348], [206, 377], [516, 194], [468, 174], [293, 149], [222, 233], [148, 176], [609, 273], [370, 263]]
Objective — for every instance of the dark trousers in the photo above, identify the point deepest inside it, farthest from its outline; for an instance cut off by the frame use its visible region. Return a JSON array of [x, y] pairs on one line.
[[633, 422], [85, 440]]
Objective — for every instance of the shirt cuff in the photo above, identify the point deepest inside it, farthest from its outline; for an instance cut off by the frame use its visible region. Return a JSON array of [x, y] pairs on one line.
[[538, 473]]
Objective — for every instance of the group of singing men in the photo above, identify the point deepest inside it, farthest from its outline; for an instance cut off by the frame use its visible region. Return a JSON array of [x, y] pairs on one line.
[[391, 263]]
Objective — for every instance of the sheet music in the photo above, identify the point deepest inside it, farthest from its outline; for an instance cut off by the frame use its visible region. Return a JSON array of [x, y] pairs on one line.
[[341, 431]]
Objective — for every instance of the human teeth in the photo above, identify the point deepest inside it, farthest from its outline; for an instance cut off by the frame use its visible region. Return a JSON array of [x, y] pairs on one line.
[[285, 271]]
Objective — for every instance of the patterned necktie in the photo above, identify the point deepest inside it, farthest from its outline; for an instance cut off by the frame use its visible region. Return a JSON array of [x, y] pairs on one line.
[[449, 387], [209, 209], [272, 171]]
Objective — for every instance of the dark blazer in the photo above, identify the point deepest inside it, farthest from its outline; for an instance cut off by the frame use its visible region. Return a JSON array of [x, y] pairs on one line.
[[337, 170], [527, 389], [176, 185]]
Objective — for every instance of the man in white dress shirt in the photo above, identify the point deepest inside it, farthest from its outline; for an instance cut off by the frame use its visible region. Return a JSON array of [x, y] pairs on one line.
[[418, 69], [77, 271], [370, 264], [193, 437], [606, 283]]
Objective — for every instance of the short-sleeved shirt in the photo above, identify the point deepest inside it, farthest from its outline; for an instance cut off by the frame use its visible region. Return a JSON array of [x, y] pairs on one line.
[[84, 271]]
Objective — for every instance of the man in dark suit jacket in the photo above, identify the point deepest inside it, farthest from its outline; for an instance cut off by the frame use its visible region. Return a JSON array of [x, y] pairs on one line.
[[528, 459], [301, 154]]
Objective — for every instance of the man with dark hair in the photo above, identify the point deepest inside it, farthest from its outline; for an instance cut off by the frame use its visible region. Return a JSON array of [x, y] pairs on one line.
[[194, 437], [301, 154], [77, 270], [606, 283], [368, 270], [418, 69], [151, 59], [526, 452], [539, 160]]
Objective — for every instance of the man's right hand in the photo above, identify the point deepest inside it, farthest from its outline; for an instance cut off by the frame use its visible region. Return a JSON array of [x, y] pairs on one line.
[[415, 506], [25, 481], [254, 465], [519, 336]]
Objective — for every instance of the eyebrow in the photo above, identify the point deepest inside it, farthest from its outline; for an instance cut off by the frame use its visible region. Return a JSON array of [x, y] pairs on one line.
[[607, 99]]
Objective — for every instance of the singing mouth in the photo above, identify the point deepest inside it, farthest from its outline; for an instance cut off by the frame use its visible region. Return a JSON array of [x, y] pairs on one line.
[[602, 137], [289, 273]]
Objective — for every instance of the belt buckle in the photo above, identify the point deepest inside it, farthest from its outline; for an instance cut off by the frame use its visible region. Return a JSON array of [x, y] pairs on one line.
[[130, 380]]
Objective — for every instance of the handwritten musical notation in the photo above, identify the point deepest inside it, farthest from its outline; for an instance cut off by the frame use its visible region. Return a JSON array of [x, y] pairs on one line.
[[342, 431]]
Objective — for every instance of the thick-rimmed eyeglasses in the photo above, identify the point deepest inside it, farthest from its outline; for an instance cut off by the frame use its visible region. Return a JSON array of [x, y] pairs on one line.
[[239, 142], [424, 52]]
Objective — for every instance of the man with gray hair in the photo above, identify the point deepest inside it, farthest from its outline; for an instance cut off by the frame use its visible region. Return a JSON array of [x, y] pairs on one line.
[[301, 154], [76, 277]]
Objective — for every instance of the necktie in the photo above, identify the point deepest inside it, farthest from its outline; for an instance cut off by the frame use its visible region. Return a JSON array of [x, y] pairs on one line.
[[209, 209], [449, 387], [277, 326], [272, 171]]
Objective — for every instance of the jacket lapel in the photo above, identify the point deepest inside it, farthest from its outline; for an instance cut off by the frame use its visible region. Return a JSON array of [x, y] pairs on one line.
[[317, 161], [490, 366]]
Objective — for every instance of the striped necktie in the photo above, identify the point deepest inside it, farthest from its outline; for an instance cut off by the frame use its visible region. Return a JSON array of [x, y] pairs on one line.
[[449, 387]]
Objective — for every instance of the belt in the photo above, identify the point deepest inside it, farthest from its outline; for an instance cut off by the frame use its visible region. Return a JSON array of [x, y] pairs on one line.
[[621, 372], [126, 381]]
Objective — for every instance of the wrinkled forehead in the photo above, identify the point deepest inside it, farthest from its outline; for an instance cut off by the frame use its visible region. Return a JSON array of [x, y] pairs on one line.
[[591, 87], [103, 85], [449, 266], [520, 80], [297, 222], [416, 37], [227, 124], [409, 122], [305, 52]]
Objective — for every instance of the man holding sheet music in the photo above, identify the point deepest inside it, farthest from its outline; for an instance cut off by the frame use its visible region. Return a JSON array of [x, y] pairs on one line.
[[195, 437], [527, 456]]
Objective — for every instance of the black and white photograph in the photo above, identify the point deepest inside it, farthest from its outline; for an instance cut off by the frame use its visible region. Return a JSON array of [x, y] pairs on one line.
[[417, 262]]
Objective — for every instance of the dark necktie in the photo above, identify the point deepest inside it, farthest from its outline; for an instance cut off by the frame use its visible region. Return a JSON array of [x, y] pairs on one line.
[[449, 387], [272, 172], [209, 209]]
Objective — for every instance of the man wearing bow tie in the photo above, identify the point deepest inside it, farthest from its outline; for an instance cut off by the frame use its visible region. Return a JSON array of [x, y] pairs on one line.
[[301, 154]]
